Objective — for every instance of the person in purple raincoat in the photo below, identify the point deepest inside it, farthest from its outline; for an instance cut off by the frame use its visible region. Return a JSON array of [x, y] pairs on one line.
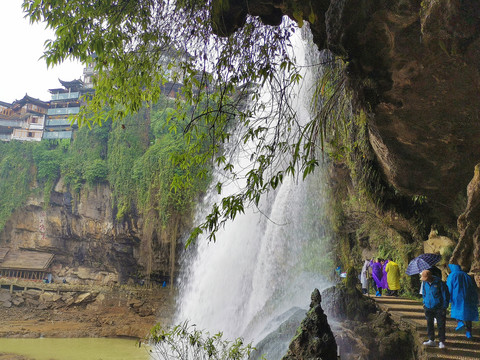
[[384, 276], [377, 275]]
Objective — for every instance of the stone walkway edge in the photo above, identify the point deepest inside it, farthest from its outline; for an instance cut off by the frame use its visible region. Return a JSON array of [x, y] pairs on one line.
[[409, 313]]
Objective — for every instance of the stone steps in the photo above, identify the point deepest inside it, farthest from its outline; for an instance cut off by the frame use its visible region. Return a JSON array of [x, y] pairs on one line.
[[447, 357], [395, 300], [411, 311]]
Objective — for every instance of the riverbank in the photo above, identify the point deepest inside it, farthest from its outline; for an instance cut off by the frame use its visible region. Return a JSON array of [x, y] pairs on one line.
[[72, 349], [4, 356], [101, 312]]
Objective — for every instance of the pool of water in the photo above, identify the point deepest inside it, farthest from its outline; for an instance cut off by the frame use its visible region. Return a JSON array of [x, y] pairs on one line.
[[75, 349]]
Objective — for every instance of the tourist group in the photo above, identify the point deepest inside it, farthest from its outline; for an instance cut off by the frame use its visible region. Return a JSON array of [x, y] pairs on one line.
[[460, 290]]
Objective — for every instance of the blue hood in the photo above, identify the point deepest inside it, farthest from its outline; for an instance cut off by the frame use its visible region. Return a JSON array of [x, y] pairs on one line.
[[454, 267]]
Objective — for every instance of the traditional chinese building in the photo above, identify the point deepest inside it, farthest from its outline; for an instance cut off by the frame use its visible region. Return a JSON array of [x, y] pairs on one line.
[[65, 101], [88, 75], [5, 125], [24, 264], [23, 120]]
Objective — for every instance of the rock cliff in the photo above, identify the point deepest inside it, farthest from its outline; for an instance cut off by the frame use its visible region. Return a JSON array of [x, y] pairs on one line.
[[90, 246], [414, 68]]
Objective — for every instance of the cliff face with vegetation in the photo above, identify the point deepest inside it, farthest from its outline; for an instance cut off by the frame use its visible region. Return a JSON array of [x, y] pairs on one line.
[[101, 203], [89, 245], [413, 69]]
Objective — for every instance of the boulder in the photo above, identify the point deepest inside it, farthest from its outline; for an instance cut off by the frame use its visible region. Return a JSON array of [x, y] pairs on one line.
[[32, 294], [17, 301], [69, 300], [32, 302], [345, 302], [5, 295], [84, 298], [135, 303], [275, 344], [314, 339], [43, 306], [146, 311], [437, 244], [49, 297], [7, 304]]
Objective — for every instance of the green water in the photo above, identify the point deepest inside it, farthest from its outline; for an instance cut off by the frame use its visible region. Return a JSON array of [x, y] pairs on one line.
[[75, 349]]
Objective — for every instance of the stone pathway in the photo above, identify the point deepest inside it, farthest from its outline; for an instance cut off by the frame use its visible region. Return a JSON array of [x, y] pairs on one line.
[[411, 312]]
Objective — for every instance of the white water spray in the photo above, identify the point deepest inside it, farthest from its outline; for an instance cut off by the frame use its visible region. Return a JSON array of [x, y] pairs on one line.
[[264, 262]]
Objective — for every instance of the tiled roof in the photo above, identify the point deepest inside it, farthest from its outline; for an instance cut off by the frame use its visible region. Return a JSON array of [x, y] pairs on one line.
[[26, 260], [74, 84], [28, 99], [3, 252]]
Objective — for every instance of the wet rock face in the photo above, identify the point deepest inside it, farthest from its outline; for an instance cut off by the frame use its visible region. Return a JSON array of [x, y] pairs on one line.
[[467, 252], [362, 332], [342, 303], [314, 339], [415, 66]]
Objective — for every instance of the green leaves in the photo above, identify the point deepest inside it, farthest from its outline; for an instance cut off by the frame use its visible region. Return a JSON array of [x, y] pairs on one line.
[[96, 172], [138, 47], [17, 174], [185, 341]]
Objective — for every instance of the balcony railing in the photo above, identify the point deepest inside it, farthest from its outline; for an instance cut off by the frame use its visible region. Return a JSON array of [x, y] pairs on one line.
[[5, 137], [65, 96], [64, 111], [59, 122], [57, 135], [12, 123], [34, 126]]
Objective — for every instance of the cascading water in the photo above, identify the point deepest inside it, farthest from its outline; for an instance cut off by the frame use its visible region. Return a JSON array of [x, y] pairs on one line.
[[265, 262]]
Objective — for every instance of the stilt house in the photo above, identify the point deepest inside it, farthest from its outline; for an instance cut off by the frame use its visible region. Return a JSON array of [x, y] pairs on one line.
[[24, 264]]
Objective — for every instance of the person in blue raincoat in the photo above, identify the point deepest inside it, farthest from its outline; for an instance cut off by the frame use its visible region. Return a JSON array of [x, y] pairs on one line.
[[435, 303], [464, 298]]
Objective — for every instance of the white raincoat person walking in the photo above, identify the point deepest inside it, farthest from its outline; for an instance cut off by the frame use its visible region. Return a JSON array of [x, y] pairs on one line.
[[364, 276]]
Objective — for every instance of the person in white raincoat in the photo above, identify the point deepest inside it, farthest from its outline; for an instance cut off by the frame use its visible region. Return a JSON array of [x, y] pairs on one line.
[[364, 276]]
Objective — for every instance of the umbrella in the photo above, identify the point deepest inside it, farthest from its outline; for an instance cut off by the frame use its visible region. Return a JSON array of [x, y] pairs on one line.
[[422, 262]]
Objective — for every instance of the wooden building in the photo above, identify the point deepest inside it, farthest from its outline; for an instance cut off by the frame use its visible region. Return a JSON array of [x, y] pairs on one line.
[[23, 119], [66, 101], [24, 264], [5, 114]]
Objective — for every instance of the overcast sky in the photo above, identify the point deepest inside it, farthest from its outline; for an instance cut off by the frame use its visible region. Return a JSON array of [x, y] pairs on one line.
[[22, 45]]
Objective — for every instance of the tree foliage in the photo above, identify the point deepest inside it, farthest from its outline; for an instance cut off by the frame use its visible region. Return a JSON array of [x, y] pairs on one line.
[[139, 45], [80, 165], [16, 175]]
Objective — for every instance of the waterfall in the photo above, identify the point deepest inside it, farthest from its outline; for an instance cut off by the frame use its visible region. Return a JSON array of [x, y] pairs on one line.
[[265, 262]]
